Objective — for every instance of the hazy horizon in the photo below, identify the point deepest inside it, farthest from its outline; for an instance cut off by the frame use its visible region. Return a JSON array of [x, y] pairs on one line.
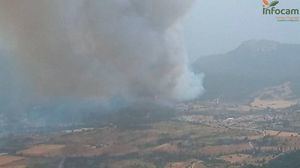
[[231, 23]]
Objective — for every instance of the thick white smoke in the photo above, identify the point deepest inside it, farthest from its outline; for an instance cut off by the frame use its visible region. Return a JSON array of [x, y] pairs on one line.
[[95, 49]]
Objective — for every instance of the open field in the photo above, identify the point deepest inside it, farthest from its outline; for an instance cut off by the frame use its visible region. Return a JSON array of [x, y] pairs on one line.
[[197, 138], [12, 162], [43, 150], [275, 104], [187, 164], [237, 158], [226, 149]]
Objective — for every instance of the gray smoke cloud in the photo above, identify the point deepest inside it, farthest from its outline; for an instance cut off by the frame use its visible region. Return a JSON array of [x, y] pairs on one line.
[[94, 50]]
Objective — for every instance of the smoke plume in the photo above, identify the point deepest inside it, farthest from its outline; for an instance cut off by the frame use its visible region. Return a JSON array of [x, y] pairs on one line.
[[65, 50]]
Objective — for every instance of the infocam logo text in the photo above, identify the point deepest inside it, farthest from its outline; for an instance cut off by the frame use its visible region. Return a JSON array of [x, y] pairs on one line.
[[270, 7]]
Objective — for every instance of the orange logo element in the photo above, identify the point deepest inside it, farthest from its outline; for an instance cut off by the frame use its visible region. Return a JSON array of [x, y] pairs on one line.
[[268, 4]]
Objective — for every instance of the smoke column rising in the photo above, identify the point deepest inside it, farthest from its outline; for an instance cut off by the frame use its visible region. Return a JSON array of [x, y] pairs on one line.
[[95, 49]]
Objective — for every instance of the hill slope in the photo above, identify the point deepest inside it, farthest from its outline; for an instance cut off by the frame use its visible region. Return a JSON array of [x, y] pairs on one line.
[[289, 160], [251, 67]]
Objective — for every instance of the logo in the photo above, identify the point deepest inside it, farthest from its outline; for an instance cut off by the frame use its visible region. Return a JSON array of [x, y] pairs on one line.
[[268, 4], [282, 14]]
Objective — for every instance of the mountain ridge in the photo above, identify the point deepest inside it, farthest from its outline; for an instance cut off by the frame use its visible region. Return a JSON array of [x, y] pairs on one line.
[[254, 65]]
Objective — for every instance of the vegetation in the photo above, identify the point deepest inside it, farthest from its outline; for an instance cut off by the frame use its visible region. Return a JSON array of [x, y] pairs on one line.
[[252, 67], [290, 160]]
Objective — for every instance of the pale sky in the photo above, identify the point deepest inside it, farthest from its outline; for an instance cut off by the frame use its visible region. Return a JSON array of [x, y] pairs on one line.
[[214, 27]]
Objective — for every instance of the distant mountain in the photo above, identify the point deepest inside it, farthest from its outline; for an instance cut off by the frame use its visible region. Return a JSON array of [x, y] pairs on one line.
[[253, 66]]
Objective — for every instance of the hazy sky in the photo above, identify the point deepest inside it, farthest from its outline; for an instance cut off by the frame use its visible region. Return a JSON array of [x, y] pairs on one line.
[[219, 26]]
